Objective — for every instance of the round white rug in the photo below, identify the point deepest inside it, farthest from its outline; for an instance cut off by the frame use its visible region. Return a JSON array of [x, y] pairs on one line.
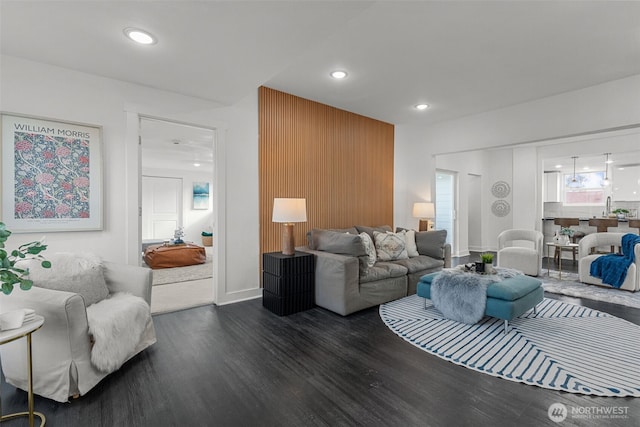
[[562, 347]]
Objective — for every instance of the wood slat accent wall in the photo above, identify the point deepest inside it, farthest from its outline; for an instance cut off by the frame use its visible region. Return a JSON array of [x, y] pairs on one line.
[[340, 162]]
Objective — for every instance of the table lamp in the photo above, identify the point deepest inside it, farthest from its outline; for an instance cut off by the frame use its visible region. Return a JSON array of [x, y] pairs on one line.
[[425, 211], [288, 211]]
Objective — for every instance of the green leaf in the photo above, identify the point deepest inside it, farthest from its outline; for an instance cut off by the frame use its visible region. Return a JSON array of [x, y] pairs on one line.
[[11, 275], [25, 284], [7, 288]]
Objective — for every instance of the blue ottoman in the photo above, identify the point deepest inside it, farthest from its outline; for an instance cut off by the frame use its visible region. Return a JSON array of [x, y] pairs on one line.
[[505, 300]]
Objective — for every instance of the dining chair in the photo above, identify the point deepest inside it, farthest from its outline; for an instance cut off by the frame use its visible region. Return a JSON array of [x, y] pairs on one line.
[[602, 226]]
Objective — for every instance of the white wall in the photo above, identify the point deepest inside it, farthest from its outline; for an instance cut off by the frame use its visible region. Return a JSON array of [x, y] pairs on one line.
[[32, 88], [609, 105]]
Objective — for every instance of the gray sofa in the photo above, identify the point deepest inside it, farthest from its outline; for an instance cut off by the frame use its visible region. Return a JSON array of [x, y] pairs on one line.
[[344, 283]]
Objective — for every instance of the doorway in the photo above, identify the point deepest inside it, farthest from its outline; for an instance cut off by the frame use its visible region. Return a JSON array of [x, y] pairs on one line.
[[446, 205], [177, 162], [474, 200]]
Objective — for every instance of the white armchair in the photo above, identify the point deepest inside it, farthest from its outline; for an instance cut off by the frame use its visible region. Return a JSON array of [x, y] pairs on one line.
[[586, 257], [62, 359], [521, 250]]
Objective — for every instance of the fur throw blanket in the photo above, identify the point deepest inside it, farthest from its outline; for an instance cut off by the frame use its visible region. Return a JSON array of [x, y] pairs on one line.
[[116, 325], [462, 296]]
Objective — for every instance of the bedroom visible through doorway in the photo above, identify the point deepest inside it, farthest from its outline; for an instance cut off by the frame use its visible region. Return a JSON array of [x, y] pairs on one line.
[[177, 162]]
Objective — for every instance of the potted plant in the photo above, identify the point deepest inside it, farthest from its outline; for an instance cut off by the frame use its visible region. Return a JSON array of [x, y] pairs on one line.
[[485, 265], [565, 235], [10, 273], [621, 213]]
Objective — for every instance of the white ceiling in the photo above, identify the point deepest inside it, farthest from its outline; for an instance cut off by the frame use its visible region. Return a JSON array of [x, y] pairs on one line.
[[460, 57], [176, 146]]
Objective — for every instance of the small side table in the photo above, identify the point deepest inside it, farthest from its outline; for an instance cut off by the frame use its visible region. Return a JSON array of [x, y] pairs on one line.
[[288, 282], [559, 246], [14, 334]]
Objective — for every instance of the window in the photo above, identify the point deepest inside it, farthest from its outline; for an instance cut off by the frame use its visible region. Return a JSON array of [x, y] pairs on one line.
[[586, 190]]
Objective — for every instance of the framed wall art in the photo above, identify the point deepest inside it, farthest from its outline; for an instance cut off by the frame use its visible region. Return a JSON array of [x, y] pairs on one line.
[[51, 175], [200, 195]]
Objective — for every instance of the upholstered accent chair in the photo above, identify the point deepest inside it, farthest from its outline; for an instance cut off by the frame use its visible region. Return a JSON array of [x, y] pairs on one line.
[[70, 352], [587, 254], [521, 250]]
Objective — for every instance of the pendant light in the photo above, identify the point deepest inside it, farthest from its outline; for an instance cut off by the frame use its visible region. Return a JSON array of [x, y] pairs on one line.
[[606, 181], [574, 182]]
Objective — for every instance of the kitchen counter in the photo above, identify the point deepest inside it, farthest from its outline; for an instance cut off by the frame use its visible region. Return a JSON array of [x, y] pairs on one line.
[[551, 218]]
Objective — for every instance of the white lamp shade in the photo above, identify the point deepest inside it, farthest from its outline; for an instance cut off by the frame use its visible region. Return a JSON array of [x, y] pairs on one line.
[[289, 210], [424, 210]]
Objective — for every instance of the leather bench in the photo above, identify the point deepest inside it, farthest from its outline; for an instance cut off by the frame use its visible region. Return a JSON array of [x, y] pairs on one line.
[[506, 299], [167, 256]]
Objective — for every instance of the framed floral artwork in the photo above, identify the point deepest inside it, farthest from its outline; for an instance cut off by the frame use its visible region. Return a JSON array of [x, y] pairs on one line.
[[51, 175]]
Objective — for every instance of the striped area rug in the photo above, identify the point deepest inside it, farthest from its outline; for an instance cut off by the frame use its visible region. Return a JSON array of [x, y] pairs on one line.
[[563, 347]]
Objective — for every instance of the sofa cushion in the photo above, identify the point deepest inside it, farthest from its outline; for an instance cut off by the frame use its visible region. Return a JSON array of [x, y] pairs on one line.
[[337, 242], [419, 263], [312, 244], [513, 288], [431, 243], [80, 273], [370, 247], [390, 246], [383, 270], [370, 230], [342, 244]]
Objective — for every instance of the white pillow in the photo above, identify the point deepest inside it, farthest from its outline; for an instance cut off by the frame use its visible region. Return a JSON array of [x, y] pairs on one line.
[[80, 273], [410, 240], [370, 248], [390, 246]]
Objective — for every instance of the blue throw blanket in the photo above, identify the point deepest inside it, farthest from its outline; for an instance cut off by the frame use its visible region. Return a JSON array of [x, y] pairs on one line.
[[612, 268]]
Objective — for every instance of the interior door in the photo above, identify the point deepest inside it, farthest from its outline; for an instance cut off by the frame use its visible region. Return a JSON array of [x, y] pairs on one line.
[[445, 205], [161, 207]]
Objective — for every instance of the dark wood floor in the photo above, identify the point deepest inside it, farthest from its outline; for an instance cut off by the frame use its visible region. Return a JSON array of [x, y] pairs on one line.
[[241, 365]]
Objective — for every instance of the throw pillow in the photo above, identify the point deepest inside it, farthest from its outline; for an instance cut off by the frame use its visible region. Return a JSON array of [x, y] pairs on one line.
[[410, 238], [370, 247], [80, 273], [431, 243], [390, 246]]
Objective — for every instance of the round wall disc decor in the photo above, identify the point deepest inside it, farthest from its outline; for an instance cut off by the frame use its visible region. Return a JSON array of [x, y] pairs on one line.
[[500, 189], [500, 208]]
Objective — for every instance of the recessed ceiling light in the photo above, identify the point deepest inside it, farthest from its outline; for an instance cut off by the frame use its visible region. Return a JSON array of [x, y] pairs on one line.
[[139, 36], [338, 74], [558, 166], [196, 165], [422, 106]]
